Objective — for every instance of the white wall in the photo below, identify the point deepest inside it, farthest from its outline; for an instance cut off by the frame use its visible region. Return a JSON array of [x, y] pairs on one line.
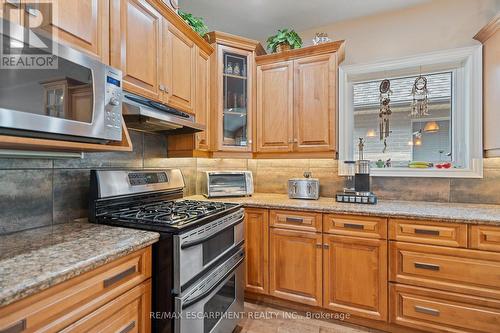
[[437, 25]]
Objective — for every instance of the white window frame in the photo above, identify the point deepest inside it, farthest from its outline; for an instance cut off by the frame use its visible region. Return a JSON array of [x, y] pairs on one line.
[[467, 120]]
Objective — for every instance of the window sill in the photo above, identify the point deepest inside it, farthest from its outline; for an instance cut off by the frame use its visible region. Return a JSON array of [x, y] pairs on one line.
[[476, 171]]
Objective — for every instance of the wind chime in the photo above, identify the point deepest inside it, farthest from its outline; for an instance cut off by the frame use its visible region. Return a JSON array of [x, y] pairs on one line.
[[385, 111], [419, 92]]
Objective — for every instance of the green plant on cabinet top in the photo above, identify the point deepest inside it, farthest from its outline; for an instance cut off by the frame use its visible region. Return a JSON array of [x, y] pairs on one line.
[[286, 37], [196, 23]]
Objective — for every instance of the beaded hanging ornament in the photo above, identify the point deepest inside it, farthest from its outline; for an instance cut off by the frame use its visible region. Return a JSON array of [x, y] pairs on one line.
[[419, 103], [385, 111]]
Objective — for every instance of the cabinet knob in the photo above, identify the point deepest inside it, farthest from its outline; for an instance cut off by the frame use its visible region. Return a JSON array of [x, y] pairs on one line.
[[163, 88]]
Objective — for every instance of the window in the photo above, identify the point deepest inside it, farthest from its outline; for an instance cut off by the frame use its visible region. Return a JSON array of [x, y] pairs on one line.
[[447, 140]]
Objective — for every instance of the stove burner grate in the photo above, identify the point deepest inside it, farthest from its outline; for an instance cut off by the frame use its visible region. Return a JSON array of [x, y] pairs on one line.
[[168, 212]]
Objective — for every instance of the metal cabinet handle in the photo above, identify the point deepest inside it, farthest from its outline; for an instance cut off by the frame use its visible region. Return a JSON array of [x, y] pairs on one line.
[[128, 328], [427, 232], [112, 280], [319, 245], [430, 267], [294, 219], [295, 140], [162, 87], [15, 328], [425, 310], [326, 246], [354, 226]]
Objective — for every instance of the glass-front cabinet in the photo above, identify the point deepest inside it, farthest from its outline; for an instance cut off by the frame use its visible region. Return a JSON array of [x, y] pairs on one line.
[[232, 107], [235, 100]]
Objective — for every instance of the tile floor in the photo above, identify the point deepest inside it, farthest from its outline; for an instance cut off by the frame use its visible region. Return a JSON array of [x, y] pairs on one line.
[[267, 319]]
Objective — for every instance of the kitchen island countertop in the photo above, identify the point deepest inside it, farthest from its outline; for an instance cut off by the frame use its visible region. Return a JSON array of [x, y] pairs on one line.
[[36, 259], [446, 212]]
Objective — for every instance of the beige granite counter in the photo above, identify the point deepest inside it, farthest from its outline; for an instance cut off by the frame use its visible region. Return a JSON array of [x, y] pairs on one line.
[[36, 259], [450, 212]]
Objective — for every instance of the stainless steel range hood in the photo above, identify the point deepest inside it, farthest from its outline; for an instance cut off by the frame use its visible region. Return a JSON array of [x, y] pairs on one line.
[[148, 116]]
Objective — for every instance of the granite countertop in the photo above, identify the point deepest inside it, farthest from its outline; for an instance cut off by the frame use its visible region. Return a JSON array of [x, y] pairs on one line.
[[448, 212], [36, 259]]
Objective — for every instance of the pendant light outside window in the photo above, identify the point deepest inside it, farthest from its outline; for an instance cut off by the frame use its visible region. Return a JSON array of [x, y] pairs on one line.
[[431, 127]]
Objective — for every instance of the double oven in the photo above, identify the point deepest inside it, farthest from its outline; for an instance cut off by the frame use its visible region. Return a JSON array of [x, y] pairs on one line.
[[209, 275]]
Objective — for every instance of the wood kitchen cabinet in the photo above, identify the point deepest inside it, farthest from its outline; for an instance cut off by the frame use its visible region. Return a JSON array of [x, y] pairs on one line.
[[296, 102], [82, 24], [115, 297], [179, 83], [257, 250], [295, 268], [355, 276], [232, 94], [489, 35], [274, 112], [136, 46], [196, 145]]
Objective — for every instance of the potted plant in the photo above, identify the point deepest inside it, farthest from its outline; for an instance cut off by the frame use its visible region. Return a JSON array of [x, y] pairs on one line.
[[196, 23], [285, 39]]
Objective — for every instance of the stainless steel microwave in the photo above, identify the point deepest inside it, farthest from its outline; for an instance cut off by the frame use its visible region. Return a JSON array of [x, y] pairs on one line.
[[227, 183], [78, 99]]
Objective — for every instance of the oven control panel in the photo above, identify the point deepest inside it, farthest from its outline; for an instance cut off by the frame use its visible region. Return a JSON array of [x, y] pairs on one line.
[[113, 101], [146, 178]]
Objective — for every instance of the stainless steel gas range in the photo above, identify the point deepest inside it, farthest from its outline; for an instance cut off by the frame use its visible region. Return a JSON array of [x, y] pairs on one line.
[[198, 271]]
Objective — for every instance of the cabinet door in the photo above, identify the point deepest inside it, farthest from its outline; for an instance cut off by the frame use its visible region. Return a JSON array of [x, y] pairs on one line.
[[257, 250], [135, 46], [129, 312], [83, 24], [355, 276], [202, 105], [181, 70], [11, 11], [315, 99], [233, 108], [296, 266], [275, 107]]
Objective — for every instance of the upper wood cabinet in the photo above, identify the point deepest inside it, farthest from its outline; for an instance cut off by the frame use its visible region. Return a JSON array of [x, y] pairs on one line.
[[202, 95], [274, 116], [490, 37], [355, 276], [257, 250], [315, 93], [136, 46], [82, 24], [233, 93], [296, 101], [296, 266], [180, 62]]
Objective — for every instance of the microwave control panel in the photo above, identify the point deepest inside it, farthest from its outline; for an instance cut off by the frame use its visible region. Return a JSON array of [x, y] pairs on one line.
[[113, 101]]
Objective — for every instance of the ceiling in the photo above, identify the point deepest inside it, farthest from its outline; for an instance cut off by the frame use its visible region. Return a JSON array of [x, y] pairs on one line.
[[259, 19]]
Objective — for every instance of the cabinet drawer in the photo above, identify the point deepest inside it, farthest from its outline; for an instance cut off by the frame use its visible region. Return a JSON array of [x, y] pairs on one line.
[[485, 238], [459, 270], [438, 311], [129, 313], [436, 233], [351, 225], [57, 307], [290, 219]]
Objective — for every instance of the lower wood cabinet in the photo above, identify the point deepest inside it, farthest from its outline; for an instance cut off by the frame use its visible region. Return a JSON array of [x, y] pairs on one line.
[[355, 276], [257, 250], [115, 297], [438, 311], [125, 314], [296, 266]]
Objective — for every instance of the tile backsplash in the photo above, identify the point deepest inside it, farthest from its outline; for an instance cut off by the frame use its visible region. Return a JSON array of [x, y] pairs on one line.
[[41, 192]]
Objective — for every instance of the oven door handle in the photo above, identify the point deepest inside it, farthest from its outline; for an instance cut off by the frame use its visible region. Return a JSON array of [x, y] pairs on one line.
[[204, 239], [212, 288]]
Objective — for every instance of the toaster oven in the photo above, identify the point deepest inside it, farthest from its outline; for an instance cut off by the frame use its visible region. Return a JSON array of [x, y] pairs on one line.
[[227, 184]]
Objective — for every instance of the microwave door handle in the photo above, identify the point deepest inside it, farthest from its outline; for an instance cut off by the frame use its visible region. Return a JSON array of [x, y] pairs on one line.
[[204, 239], [216, 284]]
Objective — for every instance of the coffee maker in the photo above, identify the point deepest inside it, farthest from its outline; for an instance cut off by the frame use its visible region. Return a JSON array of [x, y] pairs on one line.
[[362, 191]]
